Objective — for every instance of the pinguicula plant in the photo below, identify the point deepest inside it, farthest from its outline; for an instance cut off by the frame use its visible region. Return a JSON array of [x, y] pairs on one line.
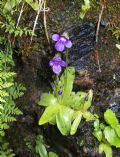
[[107, 134], [41, 148], [64, 107]]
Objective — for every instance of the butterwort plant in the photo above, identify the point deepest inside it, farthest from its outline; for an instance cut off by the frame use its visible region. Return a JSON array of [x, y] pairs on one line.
[[108, 133], [64, 107]]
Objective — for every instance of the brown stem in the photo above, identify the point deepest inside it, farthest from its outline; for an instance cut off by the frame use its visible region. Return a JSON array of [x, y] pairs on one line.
[[100, 17]]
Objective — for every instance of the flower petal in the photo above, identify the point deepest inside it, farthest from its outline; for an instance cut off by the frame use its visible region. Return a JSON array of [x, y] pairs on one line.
[[59, 46], [56, 59], [51, 63], [55, 37], [62, 63], [56, 69], [68, 44], [63, 39]]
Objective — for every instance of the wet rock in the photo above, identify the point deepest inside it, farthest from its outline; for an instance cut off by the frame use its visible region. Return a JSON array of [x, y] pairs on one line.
[[84, 67], [115, 106], [83, 37], [28, 119], [113, 102]]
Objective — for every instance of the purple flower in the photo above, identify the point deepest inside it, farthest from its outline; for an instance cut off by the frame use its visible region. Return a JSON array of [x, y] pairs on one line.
[[61, 42], [56, 63]]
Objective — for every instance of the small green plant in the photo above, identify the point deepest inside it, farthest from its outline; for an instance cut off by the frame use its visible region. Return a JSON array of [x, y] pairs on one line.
[[16, 31], [107, 134], [116, 32], [41, 148], [33, 4], [118, 46], [85, 7], [8, 23], [65, 107], [9, 91], [9, 5], [5, 151]]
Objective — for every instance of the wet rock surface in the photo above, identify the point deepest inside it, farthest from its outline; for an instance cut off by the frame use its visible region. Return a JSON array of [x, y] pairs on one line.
[[83, 37]]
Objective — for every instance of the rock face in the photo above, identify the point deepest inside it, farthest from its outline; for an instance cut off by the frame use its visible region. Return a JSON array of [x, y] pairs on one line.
[[97, 67], [83, 37]]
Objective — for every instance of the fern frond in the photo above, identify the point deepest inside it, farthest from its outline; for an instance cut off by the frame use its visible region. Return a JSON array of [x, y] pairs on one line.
[[9, 91]]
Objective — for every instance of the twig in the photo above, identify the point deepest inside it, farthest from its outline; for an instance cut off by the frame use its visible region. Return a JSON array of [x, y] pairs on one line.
[[45, 9], [98, 25], [18, 21], [97, 32], [21, 11], [36, 19], [98, 62], [45, 23], [41, 3]]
